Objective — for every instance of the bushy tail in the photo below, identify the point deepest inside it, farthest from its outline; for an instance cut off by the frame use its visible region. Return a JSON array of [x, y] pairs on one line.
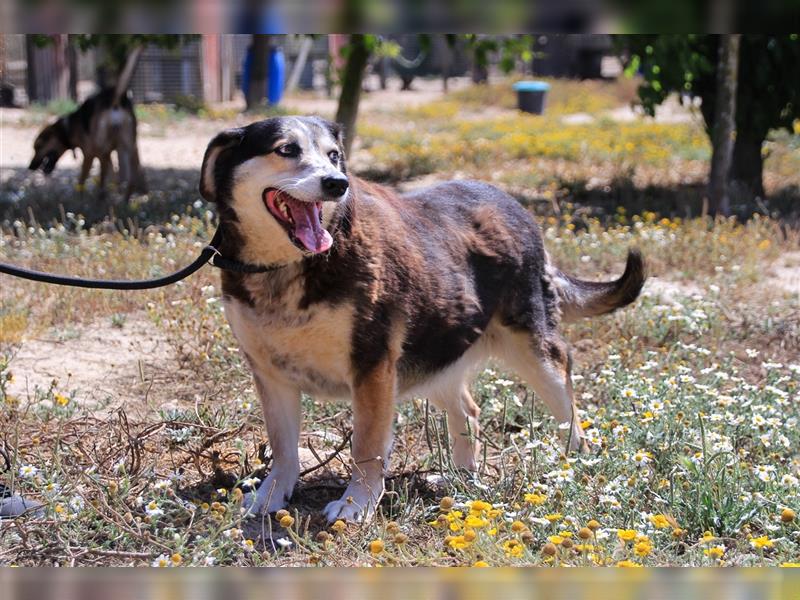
[[124, 79], [579, 298]]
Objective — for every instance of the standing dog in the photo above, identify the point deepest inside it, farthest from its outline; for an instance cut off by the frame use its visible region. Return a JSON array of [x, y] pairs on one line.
[[381, 297], [103, 124]]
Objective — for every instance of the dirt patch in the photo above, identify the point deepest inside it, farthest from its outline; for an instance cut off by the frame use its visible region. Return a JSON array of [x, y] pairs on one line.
[[102, 364], [669, 290], [785, 273]]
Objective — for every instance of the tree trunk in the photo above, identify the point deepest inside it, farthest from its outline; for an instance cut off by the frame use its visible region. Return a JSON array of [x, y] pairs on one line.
[[351, 88], [748, 165], [48, 70], [257, 92], [724, 131]]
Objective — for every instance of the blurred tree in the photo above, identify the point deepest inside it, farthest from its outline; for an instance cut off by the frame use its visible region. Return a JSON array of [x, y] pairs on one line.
[[257, 90], [357, 53], [724, 133], [361, 46], [767, 94]]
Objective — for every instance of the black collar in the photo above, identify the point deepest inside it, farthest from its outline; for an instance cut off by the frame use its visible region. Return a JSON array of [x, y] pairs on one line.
[[237, 266]]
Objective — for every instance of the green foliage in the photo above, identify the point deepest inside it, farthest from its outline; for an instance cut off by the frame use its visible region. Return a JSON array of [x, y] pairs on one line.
[[768, 95], [510, 47]]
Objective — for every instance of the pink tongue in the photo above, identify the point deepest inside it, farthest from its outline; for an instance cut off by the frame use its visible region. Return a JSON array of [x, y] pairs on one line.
[[307, 228]]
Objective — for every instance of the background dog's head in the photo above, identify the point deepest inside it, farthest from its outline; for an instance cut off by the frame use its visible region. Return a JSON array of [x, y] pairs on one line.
[[49, 145], [280, 181]]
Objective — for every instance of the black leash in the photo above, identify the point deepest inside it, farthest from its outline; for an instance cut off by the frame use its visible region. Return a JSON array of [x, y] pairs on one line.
[[209, 254]]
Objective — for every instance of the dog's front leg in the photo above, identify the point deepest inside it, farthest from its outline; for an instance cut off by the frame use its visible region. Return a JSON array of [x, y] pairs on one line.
[[86, 168], [373, 411], [106, 169], [281, 408]]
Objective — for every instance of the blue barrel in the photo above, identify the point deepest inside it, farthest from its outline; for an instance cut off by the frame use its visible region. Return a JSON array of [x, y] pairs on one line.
[[276, 67], [531, 96], [277, 75]]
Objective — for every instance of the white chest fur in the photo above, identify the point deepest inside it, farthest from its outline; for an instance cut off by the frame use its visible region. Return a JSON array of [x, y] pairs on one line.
[[306, 348]]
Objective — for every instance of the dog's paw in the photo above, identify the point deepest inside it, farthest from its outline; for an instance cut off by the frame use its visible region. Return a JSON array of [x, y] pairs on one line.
[[271, 496], [346, 509]]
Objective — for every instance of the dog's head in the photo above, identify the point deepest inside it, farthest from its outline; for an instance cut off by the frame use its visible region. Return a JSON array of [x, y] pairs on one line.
[[49, 145], [281, 180]]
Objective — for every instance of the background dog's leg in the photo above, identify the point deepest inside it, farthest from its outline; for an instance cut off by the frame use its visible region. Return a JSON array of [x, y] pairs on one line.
[[546, 366], [462, 421], [281, 407], [106, 168], [373, 413], [125, 181], [86, 167]]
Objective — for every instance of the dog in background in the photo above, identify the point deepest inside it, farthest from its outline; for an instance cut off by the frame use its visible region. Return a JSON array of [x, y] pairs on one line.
[[380, 297], [103, 124]]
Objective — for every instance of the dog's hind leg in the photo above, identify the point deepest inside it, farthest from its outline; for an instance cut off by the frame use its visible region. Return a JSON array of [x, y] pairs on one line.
[[546, 365], [125, 171], [373, 413], [106, 168], [86, 168], [462, 421], [281, 407]]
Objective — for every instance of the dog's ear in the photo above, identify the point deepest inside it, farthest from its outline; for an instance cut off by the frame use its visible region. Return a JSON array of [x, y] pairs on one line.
[[337, 131], [222, 142]]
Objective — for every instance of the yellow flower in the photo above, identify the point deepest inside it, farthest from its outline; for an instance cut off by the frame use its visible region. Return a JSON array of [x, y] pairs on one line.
[[469, 535], [790, 565], [764, 244], [479, 506], [761, 542], [61, 400], [513, 548], [286, 521], [476, 522], [556, 539], [535, 499], [176, 559], [458, 542], [660, 521], [338, 526], [376, 546], [593, 525], [628, 564], [518, 526], [707, 538], [787, 515], [480, 563], [714, 552], [554, 517], [642, 548], [626, 535]]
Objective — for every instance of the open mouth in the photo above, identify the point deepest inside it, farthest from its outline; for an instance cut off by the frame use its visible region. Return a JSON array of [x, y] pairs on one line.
[[301, 220]]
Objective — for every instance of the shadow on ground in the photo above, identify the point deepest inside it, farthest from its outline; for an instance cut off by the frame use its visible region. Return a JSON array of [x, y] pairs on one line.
[[32, 198]]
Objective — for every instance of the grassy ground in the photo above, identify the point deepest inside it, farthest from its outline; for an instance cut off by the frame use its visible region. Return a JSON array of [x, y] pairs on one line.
[[690, 397]]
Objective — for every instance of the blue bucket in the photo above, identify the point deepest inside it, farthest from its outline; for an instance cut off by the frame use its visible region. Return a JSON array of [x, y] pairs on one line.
[[531, 96]]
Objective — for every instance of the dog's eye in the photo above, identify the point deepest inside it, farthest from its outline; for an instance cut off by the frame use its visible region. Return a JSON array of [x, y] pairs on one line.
[[334, 156], [288, 150]]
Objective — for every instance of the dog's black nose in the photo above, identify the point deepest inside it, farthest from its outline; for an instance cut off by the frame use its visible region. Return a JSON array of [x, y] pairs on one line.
[[334, 186]]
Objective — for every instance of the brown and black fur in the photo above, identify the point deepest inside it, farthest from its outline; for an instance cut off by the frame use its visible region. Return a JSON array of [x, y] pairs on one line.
[[435, 281], [103, 124]]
